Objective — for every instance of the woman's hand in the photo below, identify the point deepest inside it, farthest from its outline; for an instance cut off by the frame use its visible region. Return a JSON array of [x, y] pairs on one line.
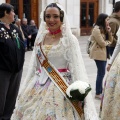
[[108, 67], [108, 28]]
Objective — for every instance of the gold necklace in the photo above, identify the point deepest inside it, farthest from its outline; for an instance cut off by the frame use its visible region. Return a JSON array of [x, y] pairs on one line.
[[53, 36], [47, 48]]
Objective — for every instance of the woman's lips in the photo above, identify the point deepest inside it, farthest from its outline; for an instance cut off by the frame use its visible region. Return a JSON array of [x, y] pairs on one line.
[[51, 24]]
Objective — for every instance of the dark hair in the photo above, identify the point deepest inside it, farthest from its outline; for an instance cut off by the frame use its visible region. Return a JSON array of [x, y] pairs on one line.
[[101, 21], [5, 7], [61, 11], [117, 6]]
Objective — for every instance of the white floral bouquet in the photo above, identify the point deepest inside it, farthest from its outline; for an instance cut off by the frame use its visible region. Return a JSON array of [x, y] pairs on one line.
[[78, 90]]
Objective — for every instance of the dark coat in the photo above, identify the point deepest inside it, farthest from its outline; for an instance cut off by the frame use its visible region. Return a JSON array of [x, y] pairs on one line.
[[33, 30], [12, 50], [26, 30]]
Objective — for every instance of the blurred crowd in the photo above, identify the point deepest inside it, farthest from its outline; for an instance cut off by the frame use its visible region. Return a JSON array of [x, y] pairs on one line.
[[29, 32]]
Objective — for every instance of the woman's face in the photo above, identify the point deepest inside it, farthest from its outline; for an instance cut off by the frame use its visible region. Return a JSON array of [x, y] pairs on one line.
[[52, 18], [10, 16], [107, 21]]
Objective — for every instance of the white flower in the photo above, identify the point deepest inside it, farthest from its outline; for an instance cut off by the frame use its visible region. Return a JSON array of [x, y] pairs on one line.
[[80, 85], [14, 30], [2, 29], [7, 36]]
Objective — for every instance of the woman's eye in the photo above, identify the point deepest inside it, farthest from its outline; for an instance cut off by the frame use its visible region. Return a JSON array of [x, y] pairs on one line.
[[56, 16], [47, 16]]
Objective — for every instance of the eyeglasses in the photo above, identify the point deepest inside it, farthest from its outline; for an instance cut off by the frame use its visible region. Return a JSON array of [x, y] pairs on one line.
[[54, 16]]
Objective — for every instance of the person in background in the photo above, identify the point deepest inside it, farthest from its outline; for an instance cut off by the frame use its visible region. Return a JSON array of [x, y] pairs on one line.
[[34, 30], [110, 107], [27, 33], [114, 22], [12, 54], [98, 50], [40, 98], [18, 24]]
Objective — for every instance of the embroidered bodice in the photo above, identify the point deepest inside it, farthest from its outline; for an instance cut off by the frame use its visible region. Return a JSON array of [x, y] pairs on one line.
[[66, 56], [47, 48], [56, 54]]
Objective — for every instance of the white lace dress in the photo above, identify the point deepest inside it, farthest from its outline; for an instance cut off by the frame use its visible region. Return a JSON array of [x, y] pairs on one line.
[[40, 99]]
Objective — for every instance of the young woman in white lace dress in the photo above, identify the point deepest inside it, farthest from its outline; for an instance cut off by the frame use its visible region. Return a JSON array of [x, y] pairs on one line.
[[39, 98]]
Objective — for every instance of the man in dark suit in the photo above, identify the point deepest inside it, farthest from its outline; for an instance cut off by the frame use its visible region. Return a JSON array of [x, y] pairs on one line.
[[34, 31], [27, 33]]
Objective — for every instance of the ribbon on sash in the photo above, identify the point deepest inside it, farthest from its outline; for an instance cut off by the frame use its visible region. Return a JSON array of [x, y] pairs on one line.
[[57, 79]]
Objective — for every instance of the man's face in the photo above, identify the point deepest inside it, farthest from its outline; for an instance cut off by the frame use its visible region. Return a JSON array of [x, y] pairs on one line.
[[24, 22]]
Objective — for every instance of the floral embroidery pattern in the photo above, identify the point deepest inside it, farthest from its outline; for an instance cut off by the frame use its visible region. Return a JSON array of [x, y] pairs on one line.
[[14, 33], [4, 33]]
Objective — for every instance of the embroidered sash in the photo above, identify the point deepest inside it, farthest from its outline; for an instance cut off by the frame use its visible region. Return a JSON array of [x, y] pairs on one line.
[[57, 79]]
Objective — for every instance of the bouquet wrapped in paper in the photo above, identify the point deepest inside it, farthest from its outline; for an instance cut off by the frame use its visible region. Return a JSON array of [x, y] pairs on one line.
[[78, 90]]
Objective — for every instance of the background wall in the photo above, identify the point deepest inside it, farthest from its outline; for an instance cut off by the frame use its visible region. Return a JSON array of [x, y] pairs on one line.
[[106, 6], [72, 8], [109, 7], [2, 1], [117, 0]]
